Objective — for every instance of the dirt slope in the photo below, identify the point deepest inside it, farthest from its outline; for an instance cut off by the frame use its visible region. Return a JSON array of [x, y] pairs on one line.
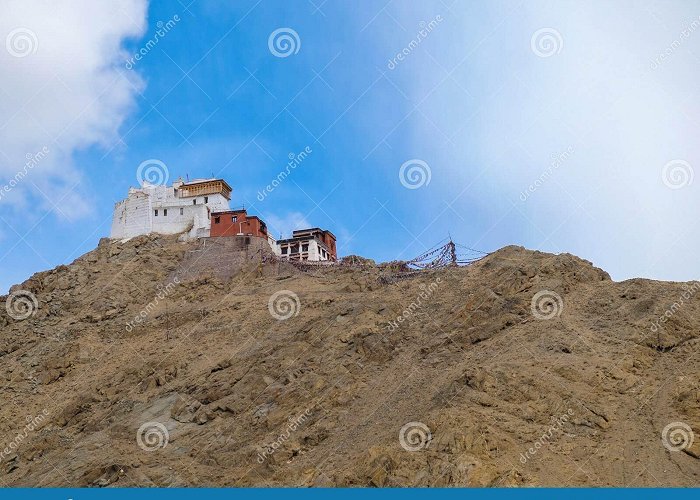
[[209, 387]]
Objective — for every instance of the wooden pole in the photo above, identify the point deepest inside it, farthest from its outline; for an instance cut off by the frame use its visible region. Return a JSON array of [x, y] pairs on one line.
[[453, 253]]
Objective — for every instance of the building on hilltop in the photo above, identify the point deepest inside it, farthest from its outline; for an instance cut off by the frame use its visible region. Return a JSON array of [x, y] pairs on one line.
[[200, 209], [239, 223], [184, 207], [313, 244]]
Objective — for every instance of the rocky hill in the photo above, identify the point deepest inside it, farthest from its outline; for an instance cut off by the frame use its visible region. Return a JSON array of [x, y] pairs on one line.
[[158, 363]]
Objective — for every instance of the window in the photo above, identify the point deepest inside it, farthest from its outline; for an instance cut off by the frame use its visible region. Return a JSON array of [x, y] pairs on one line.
[[206, 199], [156, 213], [305, 248], [284, 250], [234, 218], [182, 211], [165, 212], [194, 202], [217, 220]]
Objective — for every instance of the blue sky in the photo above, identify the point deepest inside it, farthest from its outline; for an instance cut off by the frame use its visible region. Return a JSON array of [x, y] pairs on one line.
[[560, 126]]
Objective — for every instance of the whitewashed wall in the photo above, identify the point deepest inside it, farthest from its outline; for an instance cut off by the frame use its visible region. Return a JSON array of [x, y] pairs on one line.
[[131, 216], [135, 215]]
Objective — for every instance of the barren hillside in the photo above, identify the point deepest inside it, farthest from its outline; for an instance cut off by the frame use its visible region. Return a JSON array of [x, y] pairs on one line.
[[153, 362]]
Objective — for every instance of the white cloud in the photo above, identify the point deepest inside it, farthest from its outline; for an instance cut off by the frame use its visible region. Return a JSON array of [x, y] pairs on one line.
[[64, 87], [603, 96]]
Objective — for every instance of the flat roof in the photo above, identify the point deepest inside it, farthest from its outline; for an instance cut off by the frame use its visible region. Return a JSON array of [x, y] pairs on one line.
[[202, 181], [312, 229], [236, 211]]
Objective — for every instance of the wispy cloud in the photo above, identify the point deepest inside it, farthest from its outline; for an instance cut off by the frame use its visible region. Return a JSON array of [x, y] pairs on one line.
[[63, 89], [285, 224], [512, 102]]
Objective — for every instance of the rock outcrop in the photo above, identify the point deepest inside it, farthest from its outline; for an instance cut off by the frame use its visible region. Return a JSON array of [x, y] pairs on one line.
[[138, 367]]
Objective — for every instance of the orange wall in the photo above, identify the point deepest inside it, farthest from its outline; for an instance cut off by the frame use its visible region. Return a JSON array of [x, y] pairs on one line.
[[329, 241], [244, 224]]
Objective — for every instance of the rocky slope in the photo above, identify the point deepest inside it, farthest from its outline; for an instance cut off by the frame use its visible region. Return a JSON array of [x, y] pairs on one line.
[[158, 363]]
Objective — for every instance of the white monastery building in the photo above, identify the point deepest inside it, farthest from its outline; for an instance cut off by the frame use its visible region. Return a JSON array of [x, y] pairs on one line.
[[200, 209], [181, 208]]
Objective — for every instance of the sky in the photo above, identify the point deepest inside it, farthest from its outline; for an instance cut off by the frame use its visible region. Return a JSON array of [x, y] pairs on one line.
[[562, 126]]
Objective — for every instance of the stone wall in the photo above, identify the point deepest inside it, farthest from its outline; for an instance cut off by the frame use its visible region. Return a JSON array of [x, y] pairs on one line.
[[225, 257]]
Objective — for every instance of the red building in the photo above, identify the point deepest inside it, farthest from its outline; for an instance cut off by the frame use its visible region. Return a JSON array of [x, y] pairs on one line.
[[237, 222], [314, 244]]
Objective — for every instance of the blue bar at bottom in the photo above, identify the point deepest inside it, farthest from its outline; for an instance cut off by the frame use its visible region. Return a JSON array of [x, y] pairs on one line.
[[339, 493]]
